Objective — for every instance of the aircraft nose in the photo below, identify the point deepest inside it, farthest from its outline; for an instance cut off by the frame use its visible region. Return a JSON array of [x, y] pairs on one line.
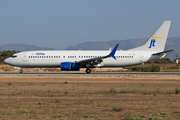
[[6, 61]]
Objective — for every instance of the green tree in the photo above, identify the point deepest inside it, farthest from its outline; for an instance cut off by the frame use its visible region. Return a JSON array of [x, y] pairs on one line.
[[163, 60], [6, 54]]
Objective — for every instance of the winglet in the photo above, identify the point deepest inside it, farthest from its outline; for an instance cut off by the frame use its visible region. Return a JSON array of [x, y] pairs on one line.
[[113, 52]]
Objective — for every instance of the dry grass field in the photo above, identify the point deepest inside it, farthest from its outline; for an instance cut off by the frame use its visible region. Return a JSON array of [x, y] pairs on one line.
[[164, 68], [85, 98]]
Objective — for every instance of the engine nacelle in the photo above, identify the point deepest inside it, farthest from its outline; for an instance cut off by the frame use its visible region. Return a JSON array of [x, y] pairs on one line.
[[69, 66]]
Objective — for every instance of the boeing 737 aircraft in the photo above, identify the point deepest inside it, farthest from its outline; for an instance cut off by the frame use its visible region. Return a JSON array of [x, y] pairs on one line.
[[74, 60]]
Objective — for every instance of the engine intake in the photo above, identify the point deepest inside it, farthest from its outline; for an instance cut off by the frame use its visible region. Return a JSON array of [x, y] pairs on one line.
[[69, 66]]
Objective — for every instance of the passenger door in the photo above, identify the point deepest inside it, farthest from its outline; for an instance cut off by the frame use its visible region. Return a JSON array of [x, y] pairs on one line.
[[24, 57], [140, 57]]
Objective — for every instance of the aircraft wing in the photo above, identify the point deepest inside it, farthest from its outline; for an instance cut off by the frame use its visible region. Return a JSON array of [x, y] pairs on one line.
[[163, 52], [97, 60]]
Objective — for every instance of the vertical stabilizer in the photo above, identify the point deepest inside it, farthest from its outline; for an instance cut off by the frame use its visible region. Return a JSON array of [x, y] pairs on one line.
[[158, 40]]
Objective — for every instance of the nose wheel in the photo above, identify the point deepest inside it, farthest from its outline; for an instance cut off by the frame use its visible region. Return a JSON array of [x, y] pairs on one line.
[[88, 70], [21, 71]]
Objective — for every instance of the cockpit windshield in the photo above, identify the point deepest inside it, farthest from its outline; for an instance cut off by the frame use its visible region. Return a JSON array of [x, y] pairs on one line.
[[14, 56]]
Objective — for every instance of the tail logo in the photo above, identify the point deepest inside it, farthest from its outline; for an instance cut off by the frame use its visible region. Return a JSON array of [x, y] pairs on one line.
[[152, 43], [153, 40]]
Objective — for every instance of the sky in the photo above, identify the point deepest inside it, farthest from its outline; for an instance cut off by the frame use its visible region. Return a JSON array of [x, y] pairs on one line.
[[61, 23]]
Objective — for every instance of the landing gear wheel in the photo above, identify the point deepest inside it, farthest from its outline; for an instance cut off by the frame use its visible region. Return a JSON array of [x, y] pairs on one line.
[[88, 70], [21, 71]]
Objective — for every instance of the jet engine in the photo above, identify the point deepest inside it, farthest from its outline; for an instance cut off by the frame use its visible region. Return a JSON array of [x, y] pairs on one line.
[[70, 66]]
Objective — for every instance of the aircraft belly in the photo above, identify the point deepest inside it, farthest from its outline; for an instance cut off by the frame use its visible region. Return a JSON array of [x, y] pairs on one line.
[[119, 63], [44, 63]]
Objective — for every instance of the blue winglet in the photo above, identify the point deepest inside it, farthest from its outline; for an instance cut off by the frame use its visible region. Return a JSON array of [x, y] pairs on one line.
[[113, 52]]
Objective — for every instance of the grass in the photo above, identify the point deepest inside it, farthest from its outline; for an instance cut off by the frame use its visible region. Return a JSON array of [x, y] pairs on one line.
[[103, 91], [155, 116], [125, 90], [163, 113], [58, 115], [37, 101], [66, 82], [91, 116], [9, 83], [79, 119], [30, 83], [155, 92], [17, 113], [113, 90], [49, 91], [57, 100], [112, 115], [177, 90], [90, 93], [117, 108], [84, 91]]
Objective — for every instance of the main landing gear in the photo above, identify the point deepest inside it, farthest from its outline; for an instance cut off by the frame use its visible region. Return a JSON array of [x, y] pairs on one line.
[[88, 70], [21, 71]]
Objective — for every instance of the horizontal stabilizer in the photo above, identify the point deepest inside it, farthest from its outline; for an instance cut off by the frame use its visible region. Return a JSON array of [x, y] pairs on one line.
[[163, 52]]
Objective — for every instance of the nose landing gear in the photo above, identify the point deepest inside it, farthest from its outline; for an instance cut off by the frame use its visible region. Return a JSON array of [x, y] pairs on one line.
[[21, 71]]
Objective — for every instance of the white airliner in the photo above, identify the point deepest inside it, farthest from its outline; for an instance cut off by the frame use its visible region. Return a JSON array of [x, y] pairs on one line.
[[74, 60]]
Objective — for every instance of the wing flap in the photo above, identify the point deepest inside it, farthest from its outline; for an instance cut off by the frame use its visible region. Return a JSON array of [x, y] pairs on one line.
[[90, 60]]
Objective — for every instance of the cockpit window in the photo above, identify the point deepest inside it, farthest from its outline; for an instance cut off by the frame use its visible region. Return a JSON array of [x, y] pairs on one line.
[[14, 56]]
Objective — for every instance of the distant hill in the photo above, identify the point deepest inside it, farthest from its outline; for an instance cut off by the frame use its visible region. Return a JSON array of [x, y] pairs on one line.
[[100, 45], [22, 47], [172, 43]]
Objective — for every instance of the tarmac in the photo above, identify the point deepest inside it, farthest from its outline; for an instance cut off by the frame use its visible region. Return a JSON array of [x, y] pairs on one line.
[[113, 74]]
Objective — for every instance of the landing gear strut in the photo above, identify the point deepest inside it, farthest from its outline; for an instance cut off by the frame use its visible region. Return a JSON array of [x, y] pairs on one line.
[[88, 70], [21, 71]]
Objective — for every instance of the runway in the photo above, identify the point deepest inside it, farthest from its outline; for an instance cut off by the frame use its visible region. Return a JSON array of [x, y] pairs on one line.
[[114, 74]]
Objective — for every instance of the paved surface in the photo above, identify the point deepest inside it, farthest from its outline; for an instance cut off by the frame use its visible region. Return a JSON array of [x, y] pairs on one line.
[[115, 74]]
